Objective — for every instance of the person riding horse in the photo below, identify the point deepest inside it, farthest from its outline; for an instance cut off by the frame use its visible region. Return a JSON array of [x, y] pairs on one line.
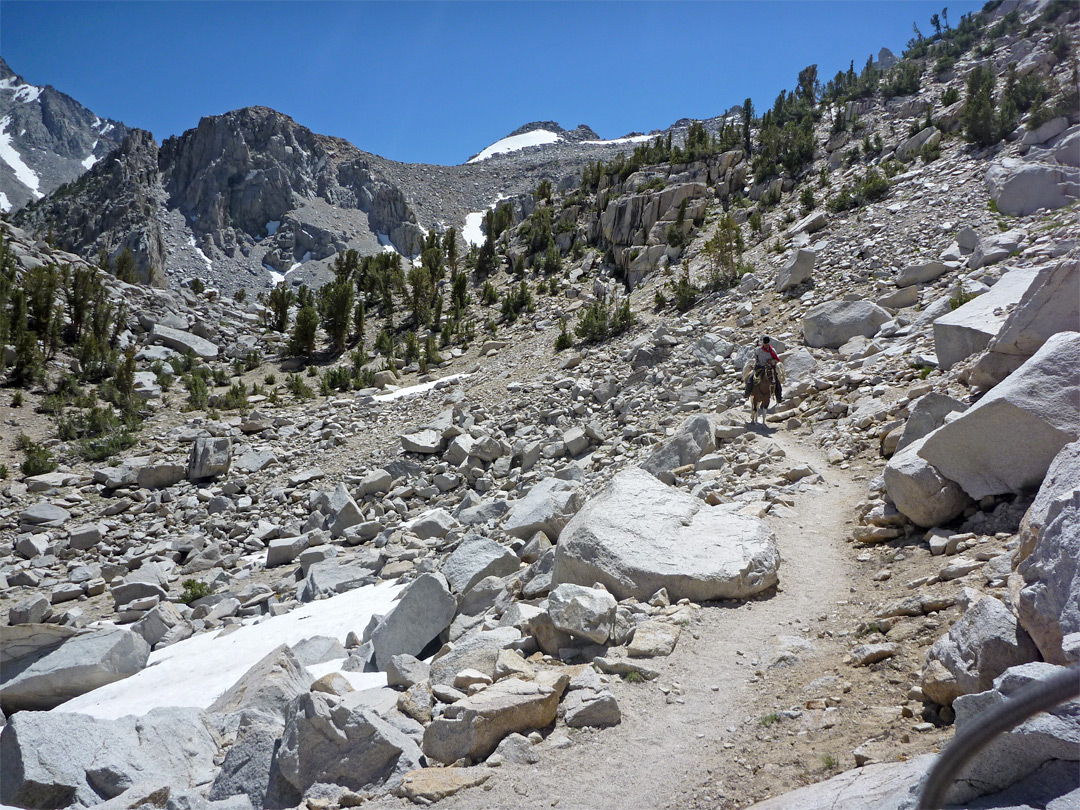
[[763, 356]]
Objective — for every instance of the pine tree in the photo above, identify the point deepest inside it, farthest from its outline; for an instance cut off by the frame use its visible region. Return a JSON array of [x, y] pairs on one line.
[[304, 331], [747, 119], [281, 298], [335, 308]]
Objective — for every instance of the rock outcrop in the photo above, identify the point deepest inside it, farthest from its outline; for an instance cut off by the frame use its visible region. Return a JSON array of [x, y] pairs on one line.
[[639, 535]]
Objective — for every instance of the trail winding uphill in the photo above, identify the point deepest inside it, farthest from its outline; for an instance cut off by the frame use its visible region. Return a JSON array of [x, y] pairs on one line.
[[677, 730]]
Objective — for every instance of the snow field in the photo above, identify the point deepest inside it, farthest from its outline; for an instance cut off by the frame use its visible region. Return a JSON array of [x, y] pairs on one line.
[[195, 671]]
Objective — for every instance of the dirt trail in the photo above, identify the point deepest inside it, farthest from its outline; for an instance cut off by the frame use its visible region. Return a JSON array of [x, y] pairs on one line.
[[674, 729]]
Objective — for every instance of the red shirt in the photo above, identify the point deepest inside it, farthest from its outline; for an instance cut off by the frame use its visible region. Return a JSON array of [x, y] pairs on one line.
[[768, 349]]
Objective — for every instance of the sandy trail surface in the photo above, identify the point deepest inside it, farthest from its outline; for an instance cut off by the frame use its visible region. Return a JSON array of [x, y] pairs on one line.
[[674, 729]]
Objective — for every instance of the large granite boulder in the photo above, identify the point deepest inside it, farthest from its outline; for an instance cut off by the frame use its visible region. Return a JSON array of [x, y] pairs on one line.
[[474, 726], [920, 491], [423, 610], [694, 438], [267, 689], [884, 786], [57, 759], [184, 342], [50, 674], [985, 642], [910, 148], [328, 740], [587, 613], [639, 535], [1006, 441], [342, 511], [1048, 560], [995, 247], [1020, 188], [477, 651], [248, 770], [475, 559], [798, 269], [1047, 739], [210, 457], [834, 323], [920, 273], [969, 328], [547, 508], [927, 414], [1046, 308]]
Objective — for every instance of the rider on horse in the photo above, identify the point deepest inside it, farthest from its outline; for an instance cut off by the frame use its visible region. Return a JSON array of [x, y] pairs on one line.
[[763, 356]]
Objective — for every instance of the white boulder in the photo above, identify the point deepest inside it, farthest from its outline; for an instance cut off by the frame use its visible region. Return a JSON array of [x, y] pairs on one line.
[[921, 492], [1020, 188], [1006, 441], [1046, 308], [798, 269], [970, 327], [639, 535], [834, 323], [547, 508], [587, 613], [1048, 560]]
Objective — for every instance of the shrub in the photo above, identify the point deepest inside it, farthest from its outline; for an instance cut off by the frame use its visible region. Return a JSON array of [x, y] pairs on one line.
[[806, 200], [197, 286], [104, 447], [36, 457], [234, 398], [950, 96], [844, 201], [518, 301], [563, 340], [960, 296], [873, 187], [240, 295], [684, 293], [930, 152], [198, 393], [17, 399], [194, 589], [488, 296], [599, 322], [296, 386], [338, 378]]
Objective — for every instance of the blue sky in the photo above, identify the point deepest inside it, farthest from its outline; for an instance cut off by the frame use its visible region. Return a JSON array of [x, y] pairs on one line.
[[437, 82]]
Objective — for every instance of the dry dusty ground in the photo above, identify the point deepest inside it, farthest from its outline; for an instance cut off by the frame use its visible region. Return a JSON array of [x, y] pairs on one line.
[[709, 733]]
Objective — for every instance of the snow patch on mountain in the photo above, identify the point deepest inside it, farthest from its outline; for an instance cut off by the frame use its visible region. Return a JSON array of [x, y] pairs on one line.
[[515, 143], [10, 155], [473, 232], [27, 93], [627, 139], [5, 203], [195, 671]]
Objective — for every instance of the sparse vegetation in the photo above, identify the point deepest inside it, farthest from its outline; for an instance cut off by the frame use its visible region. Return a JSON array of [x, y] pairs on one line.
[[194, 589]]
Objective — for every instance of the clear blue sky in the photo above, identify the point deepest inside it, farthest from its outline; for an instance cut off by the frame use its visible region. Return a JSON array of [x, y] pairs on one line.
[[437, 82]]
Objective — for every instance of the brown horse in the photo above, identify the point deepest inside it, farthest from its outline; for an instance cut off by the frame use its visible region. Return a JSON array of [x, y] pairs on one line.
[[761, 393]]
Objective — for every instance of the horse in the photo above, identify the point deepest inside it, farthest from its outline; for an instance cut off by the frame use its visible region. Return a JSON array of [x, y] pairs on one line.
[[761, 392]]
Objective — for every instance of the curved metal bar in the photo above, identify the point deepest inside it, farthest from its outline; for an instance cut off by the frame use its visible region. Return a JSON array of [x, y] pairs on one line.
[[1029, 701]]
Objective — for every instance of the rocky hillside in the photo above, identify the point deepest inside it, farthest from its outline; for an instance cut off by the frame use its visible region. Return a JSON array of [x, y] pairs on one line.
[[509, 529], [47, 139]]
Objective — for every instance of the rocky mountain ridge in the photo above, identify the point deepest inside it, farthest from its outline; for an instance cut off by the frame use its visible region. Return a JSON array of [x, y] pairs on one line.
[[250, 196], [48, 139]]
